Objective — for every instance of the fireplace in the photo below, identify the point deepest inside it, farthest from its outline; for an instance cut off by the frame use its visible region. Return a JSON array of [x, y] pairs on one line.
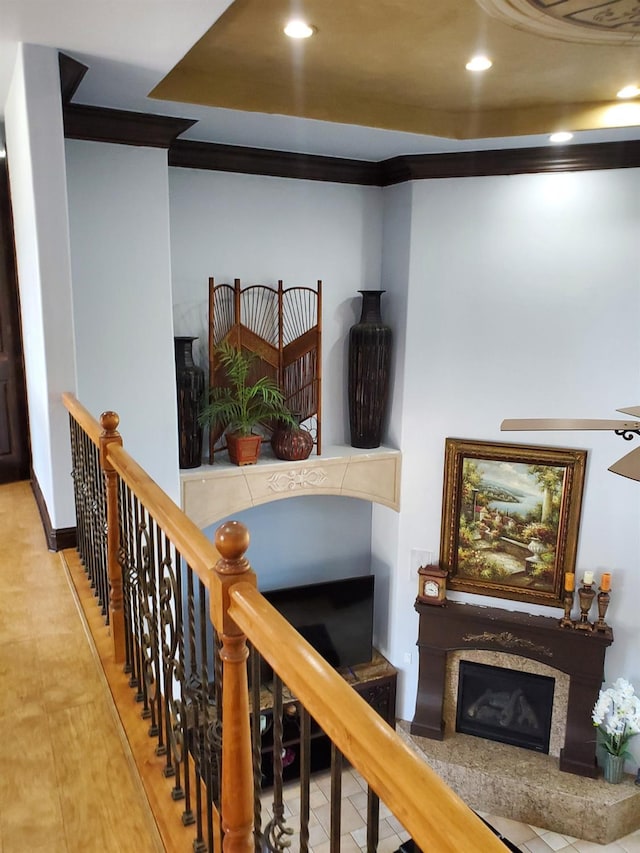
[[577, 655], [505, 705]]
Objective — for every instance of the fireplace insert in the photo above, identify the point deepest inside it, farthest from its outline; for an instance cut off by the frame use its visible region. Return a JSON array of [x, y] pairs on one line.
[[505, 705]]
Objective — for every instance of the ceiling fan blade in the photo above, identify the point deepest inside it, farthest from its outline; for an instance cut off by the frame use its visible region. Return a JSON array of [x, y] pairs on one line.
[[566, 423], [629, 465], [632, 410]]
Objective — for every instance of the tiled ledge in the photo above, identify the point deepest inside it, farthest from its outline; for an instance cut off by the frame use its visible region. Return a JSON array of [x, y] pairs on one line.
[[529, 787], [212, 492]]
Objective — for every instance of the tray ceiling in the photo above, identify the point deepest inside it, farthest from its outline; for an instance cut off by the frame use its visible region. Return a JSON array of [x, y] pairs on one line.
[[400, 64]]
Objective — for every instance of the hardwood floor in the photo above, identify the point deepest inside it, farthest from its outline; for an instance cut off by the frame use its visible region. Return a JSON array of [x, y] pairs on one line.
[[67, 779]]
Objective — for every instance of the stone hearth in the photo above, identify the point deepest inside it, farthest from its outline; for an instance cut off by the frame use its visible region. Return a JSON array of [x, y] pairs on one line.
[[529, 787]]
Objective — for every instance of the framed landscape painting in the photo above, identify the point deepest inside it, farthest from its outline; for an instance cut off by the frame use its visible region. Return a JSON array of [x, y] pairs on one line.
[[510, 518]]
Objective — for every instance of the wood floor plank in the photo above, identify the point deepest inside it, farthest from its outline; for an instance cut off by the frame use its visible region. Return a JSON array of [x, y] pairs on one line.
[[67, 780], [86, 785]]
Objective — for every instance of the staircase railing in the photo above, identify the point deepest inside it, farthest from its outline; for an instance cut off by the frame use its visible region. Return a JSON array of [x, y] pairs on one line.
[[182, 613]]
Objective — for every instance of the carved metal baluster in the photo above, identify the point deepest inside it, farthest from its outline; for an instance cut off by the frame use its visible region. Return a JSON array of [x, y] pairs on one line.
[[336, 798], [256, 746], [136, 579], [87, 493], [170, 608], [212, 741], [125, 559], [101, 528], [143, 559], [373, 820], [97, 481], [276, 831], [305, 776], [198, 679], [148, 636], [192, 687], [76, 475]]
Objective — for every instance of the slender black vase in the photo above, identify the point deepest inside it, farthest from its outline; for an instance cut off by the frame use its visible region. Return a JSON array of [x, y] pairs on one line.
[[190, 389], [369, 372]]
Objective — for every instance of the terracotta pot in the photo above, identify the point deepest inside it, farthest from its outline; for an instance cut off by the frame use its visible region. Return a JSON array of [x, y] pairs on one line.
[[291, 443], [243, 449]]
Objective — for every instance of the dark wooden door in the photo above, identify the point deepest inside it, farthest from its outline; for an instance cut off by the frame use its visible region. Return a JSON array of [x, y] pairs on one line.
[[15, 457]]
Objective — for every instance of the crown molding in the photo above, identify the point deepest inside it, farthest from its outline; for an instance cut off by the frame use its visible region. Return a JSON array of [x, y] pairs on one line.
[[512, 161], [71, 74], [283, 164], [99, 124]]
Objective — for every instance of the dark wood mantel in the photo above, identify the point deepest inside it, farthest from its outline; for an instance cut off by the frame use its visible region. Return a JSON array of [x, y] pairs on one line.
[[580, 654]]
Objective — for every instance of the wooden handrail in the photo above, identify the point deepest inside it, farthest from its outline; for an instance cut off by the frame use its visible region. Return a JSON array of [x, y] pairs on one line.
[[193, 545], [429, 810], [84, 418], [436, 817]]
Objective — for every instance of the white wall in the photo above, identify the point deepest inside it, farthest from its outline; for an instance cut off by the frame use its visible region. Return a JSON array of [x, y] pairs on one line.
[[119, 220], [523, 301], [35, 151], [261, 229]]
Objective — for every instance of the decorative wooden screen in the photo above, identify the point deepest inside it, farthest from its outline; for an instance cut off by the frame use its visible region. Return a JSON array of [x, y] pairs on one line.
[[283, 328]]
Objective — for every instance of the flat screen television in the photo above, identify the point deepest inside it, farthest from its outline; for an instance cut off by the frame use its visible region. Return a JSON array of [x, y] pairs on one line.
[[335, 617]]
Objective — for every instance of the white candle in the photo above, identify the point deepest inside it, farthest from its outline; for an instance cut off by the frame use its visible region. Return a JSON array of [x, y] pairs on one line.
[[588, 578]]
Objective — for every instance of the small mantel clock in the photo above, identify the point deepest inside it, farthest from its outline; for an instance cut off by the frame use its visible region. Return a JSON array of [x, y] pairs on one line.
[[432, 585]]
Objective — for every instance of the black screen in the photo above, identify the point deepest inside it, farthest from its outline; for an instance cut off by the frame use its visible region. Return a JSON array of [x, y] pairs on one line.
[[336, 617]]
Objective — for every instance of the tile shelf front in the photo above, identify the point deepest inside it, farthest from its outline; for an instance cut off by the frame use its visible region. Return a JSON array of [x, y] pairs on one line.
[[213, 492]]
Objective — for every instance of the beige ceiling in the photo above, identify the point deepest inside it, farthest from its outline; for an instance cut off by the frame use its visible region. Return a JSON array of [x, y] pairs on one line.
[[399, 64]]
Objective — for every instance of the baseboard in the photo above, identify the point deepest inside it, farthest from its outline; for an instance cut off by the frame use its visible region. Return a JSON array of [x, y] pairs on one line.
[[57, 540]]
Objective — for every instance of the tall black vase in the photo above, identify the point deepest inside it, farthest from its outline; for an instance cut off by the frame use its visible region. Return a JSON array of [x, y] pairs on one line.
[[369, 372], [190, 388]]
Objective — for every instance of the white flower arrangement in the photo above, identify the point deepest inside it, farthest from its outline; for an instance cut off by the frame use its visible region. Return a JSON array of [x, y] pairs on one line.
[[616, 715]]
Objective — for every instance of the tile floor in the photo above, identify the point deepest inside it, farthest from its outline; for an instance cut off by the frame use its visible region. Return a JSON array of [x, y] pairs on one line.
[[529, 839]]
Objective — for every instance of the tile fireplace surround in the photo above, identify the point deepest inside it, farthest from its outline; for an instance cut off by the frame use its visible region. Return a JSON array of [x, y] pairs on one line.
[[506, 780]]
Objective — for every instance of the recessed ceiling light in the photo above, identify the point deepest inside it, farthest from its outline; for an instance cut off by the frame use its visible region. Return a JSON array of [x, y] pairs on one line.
[[631, 91], [561, 136], [479, 63], [297, 29]]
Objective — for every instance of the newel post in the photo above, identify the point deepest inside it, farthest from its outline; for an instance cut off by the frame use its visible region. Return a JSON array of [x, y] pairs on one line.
[[232, 541], [110, 435]]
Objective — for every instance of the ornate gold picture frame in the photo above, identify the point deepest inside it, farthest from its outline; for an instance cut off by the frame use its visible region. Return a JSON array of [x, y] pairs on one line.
[[510, 518]]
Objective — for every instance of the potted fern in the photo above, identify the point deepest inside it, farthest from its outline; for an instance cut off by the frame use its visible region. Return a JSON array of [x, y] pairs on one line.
[[240, 405]]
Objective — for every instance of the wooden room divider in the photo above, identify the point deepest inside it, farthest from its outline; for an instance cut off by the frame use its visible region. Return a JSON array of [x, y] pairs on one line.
[[282, 327]]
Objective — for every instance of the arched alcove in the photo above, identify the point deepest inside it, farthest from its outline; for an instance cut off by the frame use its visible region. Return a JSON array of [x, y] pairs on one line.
[[212, 493]]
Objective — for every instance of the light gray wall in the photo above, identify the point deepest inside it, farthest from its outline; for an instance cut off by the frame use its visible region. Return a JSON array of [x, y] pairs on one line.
[[262, 229], [308, 539], [119, 220], [523, 301], [35, 152]]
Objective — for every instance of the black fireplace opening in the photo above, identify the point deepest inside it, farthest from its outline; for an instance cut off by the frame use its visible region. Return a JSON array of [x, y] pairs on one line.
[[505, 705]]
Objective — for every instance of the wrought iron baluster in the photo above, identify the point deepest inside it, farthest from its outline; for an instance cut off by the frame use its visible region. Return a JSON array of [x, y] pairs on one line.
[[125, 560], [145, 626], [373, 820], [256, 745], [137, 615], [336, 798], [305, 777], [276, 831]]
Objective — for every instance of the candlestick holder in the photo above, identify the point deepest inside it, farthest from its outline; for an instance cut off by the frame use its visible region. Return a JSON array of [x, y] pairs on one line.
[[603, 603], [586, 594], [567, 621]]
